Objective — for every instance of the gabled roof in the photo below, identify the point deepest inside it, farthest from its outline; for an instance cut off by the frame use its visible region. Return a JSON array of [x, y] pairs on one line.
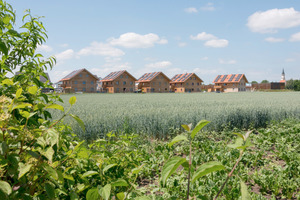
[[74, 73], [180, 78], [147, 77], [231, 78], [113, 75]]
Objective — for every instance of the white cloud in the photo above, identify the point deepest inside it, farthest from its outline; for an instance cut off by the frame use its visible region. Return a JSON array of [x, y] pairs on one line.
[[159, 65], [290, 60], [65, 55], [204, 58], [217, 43], [272, 20], [191, 10], [274, 40], [134, 40], [208, 7], [203, 36], [295, 37], [228, 62], [182, 44], [44, 48], [101, 49]]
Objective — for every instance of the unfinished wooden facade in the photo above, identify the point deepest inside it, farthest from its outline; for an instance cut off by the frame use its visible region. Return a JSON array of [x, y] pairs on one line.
[[230, 83], [188, 82], [118, 82], [153, 82], [79, 81]]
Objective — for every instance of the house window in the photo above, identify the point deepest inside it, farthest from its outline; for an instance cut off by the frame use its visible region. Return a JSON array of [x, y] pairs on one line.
[[192, 83], [131, 89], [80, 75], [118, 89], [159, 83], [187, 83], [131, 83], [191, 78], [117, 82], [75, 82], [124, 82], [198, 84], [194, 78], [83, 82], [121, 76], [92, 82], [126, 76], [76, 89], [83, 89], [153, 83], [92, 89], [87, 75]]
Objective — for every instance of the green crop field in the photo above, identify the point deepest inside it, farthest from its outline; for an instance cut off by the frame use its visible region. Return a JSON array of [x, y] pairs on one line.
[[159, 115]]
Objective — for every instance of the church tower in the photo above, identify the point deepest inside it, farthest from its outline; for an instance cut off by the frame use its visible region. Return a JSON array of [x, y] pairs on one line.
[[283, 76]]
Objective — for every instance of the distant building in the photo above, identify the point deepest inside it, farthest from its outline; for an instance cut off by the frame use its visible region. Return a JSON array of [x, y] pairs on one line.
[[271, 86], [153, 82], [282, 77], [230, 83], [118, 82], [79, 81], [188, 82]]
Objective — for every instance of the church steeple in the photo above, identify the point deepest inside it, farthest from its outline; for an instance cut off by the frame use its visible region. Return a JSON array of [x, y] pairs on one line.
[[282, 75]]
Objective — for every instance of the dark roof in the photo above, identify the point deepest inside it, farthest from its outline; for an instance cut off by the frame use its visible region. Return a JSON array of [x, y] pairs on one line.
[[150, 76], [74, 73], [113, 75], [231, 78], [179, 78], [42, 78]]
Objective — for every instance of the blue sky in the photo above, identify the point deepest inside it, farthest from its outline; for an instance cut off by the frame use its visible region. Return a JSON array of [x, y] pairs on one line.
[[209, 37]]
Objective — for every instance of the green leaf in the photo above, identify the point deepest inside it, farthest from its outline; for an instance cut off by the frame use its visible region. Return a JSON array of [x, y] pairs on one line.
[[170, 167], [92, 194], [14, 33], [105, 192], [33, 90], [79, 121], [108, 167], [89, 173], [137, 169], [207, 168], [72, 100], [238, 143], [7, 82], [51, 172], [23, 169], [244, 191], [50, 190], [48, 153], [18, 93], [22, 105], [247, 135], [198, 127], [56, 106], [187, 127], [240, 135], [5, 187], [119, 182], [178, 138], [52, 136], [121, 196]]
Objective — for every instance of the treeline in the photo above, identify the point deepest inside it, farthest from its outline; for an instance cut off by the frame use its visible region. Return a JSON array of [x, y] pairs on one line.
[[293, 85]]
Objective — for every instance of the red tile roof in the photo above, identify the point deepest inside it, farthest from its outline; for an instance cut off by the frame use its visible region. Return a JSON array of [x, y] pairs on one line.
[[147, 77], [231, 78], [113, 75], [74, 73], [180, 78]]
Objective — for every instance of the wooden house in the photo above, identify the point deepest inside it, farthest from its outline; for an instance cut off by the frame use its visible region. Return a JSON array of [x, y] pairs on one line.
[[153, 82], [230, 83], [118, 82], [188, 82], [79, 81]]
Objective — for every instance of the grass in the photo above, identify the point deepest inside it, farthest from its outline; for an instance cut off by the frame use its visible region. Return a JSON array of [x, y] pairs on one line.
[[160, 115]]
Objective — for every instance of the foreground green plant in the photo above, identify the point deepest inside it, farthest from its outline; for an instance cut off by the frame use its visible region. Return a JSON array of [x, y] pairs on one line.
[[175, 162]]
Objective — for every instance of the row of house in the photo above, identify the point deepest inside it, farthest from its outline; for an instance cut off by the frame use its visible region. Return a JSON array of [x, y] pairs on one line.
[[123, 82]]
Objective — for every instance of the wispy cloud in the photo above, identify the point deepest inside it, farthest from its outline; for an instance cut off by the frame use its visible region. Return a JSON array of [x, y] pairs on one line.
[[271, 20], [203, 36], [191, 10], [295, 37], [208, 7], [274, 40], [44, 48], [65, 55], [134, 40], [211, 40], [227, 62], [159, 65], [101, 49]]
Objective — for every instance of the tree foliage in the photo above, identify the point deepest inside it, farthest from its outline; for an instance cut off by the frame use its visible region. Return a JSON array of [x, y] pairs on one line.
[[293, 85]]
